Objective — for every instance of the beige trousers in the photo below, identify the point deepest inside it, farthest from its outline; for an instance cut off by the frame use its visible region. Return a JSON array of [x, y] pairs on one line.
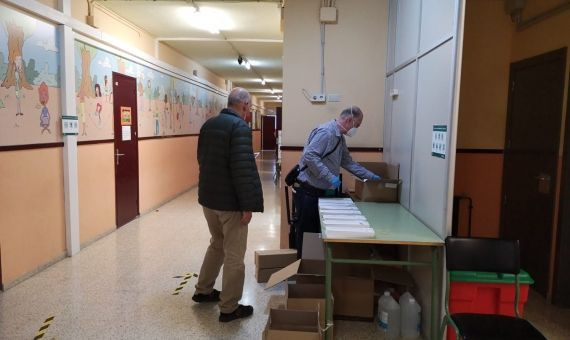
[[227, 247]]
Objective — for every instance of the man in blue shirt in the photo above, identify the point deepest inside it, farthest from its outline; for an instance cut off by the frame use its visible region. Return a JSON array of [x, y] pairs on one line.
[[325, 152]]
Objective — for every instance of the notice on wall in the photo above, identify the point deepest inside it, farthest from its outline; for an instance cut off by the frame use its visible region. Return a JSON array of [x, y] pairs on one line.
[[69, 125], [439, 141], [126, 132], [126, 115]]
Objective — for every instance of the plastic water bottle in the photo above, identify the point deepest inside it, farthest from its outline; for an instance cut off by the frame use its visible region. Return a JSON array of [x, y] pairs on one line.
[[389, 316], [411, 316]]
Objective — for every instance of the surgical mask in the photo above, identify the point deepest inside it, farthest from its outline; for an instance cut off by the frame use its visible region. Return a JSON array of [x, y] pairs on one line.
[[352, 131]]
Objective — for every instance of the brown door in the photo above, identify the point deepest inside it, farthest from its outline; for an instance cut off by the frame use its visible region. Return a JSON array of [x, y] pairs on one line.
[[268, 138], [531, 156], [126, 148]]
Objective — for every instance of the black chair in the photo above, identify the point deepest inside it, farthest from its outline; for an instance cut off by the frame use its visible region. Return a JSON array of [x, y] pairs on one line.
[[486, 255]]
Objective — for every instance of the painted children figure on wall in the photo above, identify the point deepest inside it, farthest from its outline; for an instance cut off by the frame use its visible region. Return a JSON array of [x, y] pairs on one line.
[[179, 111], [167, 111], [98, 104], [148, 93], [43, 92], [81, 114], [140, 90], [107, 88]]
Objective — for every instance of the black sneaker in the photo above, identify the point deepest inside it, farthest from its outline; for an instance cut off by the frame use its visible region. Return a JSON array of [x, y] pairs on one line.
[[240, 312], [214, 296]]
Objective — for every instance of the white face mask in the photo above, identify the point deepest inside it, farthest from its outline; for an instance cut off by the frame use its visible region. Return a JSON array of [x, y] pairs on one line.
[[352, 132]]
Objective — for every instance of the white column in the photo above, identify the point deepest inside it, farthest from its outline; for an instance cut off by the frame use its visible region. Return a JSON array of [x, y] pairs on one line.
[[71, 191]]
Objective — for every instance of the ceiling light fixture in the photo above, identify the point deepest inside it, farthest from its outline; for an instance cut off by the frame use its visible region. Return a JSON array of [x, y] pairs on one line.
[[247, 64], [208, 19], [240, 59], [272, 91], [262, 81]]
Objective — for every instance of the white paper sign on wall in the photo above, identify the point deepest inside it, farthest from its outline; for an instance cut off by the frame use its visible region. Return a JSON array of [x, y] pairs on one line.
[[439, 141], [69, 125]]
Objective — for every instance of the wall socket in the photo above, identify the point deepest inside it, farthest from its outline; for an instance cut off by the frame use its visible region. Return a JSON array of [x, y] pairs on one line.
[[318, 98]]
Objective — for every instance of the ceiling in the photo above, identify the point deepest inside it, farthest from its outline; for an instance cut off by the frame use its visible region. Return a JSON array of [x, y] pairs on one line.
[[249, 28]]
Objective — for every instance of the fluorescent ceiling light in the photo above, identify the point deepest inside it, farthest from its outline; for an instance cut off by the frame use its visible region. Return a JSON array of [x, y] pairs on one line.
[[208, 19]]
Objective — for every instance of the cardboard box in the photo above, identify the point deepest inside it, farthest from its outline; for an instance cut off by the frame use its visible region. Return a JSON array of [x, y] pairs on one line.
[[296, 269], [354, 295], [275, 258], [285, 324], [384, 190], [307, 297], [262, 275]]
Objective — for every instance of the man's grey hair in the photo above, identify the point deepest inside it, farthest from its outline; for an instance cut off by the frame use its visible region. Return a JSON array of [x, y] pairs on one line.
[[238, 96], [351, 110]]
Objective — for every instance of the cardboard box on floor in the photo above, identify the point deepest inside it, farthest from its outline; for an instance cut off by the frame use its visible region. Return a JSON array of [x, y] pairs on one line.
[[284, 324], [384, 190], [274, 258], [262, 275], [311, 264], [310, 297], [354, 296]]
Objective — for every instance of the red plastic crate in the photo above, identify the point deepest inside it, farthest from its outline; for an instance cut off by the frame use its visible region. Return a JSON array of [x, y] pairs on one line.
[[484, 298]]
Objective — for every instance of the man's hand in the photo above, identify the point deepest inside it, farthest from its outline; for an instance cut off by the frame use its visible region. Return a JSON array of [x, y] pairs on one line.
[[245, 217], [335, 182], [376, 178]]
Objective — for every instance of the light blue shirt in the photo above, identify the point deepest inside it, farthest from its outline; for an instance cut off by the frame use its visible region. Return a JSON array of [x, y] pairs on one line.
[[320, 172]]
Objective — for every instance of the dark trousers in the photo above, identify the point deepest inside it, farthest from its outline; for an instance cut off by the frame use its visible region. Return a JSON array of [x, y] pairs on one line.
[[306, 219]]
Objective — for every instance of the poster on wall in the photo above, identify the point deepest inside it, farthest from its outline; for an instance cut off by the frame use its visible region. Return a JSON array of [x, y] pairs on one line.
[[439, 141], [29, 80], [126, 118]]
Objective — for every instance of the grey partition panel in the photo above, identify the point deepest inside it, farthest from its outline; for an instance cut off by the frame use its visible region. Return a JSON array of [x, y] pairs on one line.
[[428, 199], [392, 20], [403, 111], [387, 145], [407, 31], [437, 23]]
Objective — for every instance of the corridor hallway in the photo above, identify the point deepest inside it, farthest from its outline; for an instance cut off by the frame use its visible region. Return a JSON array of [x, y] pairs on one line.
[[121, 286]]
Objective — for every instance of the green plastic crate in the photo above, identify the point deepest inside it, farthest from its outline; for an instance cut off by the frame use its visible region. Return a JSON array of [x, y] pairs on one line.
[[486, 277]]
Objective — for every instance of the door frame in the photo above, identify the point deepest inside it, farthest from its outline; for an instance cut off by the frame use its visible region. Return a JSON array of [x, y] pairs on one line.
[[135, 139], [538, 59]]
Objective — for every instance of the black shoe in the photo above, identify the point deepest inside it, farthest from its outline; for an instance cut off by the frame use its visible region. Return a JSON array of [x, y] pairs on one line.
[[214, 296], [240, 312]]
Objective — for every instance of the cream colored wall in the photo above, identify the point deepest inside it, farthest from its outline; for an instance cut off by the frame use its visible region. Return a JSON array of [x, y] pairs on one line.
[[167, 167], [136, 37], [355, 59], [32, 217], [484, 75], [171, 56], [96, 177], [256, 135]]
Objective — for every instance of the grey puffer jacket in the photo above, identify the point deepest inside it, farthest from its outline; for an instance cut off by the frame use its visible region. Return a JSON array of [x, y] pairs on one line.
[[229, 180]]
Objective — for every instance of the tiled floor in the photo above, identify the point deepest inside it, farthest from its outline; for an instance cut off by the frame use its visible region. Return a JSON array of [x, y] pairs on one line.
[[121, 286]]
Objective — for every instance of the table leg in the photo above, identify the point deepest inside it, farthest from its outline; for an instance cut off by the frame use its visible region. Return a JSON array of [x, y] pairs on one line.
[[328, 288], [435, 293]]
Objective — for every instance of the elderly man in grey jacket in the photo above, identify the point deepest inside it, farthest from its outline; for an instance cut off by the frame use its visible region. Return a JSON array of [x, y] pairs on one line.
[[229, 190]]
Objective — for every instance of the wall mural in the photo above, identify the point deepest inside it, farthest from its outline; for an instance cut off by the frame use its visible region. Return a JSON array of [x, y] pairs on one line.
[[166, 105], [29, 76], [30, 104]]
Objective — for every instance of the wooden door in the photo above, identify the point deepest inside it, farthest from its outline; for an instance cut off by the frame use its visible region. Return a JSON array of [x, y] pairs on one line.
[[531, 156], [126, 148], [268, 137]]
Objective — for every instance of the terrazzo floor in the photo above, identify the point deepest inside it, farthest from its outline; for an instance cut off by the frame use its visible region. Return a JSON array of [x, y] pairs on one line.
[[121, 286]]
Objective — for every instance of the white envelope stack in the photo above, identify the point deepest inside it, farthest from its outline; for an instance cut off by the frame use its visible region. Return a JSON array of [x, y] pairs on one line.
[[341, 218]]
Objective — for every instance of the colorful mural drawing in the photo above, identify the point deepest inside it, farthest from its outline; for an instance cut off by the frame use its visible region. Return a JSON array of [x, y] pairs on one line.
[[29, 74]]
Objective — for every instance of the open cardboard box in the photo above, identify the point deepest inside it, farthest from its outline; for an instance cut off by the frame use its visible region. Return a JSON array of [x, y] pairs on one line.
[[284, 324], [384, 190], [312, 263], [310, 297]]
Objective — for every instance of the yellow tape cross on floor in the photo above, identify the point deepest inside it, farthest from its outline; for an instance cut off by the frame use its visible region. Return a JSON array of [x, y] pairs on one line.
[[43, 329], [185, 278]]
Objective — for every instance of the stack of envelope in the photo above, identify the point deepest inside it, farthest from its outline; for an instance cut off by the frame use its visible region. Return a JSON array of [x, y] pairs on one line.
[[341, 218]]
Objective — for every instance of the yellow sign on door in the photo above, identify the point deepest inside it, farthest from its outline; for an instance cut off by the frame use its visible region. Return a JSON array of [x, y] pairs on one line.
[[126, 115]]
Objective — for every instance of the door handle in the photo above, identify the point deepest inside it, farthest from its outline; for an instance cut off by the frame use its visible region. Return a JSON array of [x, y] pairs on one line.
[[117, 155], [543, 183]]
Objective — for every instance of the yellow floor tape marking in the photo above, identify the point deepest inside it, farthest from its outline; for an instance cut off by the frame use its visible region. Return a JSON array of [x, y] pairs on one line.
[[44, 327], [185, 278]]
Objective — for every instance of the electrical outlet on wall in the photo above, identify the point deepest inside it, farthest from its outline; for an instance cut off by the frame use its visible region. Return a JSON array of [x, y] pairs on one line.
[[318, 98]]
